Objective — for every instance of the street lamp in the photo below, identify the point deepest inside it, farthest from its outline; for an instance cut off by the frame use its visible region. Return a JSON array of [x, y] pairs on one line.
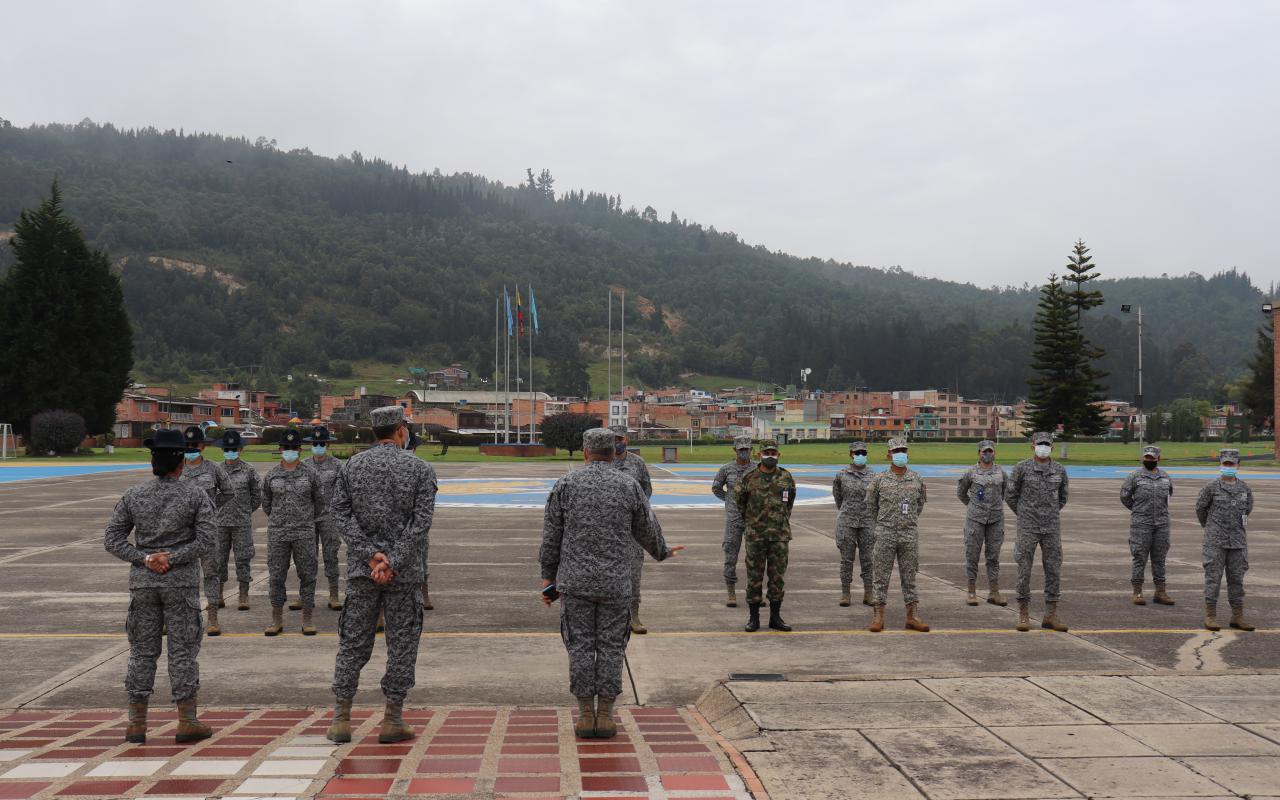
[[1126, 309]]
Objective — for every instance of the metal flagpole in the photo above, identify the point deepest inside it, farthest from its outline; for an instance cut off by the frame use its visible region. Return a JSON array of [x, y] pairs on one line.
[[497, 302], [516, 409], [533, 403], [622, 361], [506, 374], [608, 362]]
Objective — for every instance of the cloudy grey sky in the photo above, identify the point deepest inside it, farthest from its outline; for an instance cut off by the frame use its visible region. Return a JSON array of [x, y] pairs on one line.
[[966, 140]]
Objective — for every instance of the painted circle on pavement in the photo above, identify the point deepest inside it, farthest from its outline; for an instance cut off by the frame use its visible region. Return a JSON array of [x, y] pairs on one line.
[[532, 493]]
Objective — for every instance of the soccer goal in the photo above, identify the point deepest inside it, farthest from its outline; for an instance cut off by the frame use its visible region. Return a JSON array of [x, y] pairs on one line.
[[8, 444]]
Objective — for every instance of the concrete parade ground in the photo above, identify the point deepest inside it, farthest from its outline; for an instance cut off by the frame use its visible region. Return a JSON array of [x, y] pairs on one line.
[[828, 710]]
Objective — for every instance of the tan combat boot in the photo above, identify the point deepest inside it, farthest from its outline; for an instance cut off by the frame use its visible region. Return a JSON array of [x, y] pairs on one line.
[[972, 599], [1051, 620], [295, 605], [868, 595], [136, 733], [637, 626], [845, 599], [994, 597], [1024, 617], [1162, 597], [334, 603], [606, 726], [1237, 618], [277, 622], [244, 596], [222, 590], [340, 729], [730, 595], [1138, 600], [914, 623], [393, 727], [212, 628], [307, 628], [585, 726], [1211, 617], [190, 729], [426, 598], [877, 620]]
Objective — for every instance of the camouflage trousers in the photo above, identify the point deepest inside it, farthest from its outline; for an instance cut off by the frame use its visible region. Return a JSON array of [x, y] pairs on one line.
[[1235, 562], [303, 554], [401, 607], [851, 542], [151, 611], [329, 540], [637, 573], [595, 634], [769, 556], [977, 538], [733, 527], [1024, 552], [239, 539], [1145, 541], [905, 549]]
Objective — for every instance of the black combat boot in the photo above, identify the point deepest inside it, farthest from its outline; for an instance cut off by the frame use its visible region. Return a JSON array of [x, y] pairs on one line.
[[775, 616], [753, 621]]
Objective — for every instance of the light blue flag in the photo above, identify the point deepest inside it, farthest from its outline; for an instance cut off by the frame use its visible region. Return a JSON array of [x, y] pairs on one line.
[[533, 309], [506, 297]]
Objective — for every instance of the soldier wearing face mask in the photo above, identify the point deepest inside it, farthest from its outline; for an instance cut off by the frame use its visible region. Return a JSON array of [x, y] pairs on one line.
[[1146, 494], [765, 495], [235, 529], [722, 487], [327, 534], [1223, 509], [855, 535], [1037, 492], [895, 500], [214, 481], [982, 489], [631, 464], [294, 498]]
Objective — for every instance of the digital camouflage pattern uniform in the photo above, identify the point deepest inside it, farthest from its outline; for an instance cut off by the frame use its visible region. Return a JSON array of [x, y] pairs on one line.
[[594, 519], [722, 485], [164, 515], [1037, 492], [895, 503], [765, 500], [212, 479], [294, 500], [855, 530], [326, 529], [383, 502], [1146, 494], [982, 489], [633, 466], [1223, 509], [235, 529]]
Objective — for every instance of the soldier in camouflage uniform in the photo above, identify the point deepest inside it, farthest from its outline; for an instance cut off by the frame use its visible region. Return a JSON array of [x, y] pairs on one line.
[[982, 489], [722, 487], [895, 499], [212, 479], [634, 466], [855, 533], [173, 524], [412, 447], [594, 518], [383, 502], [1223, 509], [235, 529], [1037, 491], [327, 467], [1146, 494], [765, 496], [293, 497]]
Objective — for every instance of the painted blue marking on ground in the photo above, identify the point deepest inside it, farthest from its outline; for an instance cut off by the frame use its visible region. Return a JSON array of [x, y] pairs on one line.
[[39, 471]]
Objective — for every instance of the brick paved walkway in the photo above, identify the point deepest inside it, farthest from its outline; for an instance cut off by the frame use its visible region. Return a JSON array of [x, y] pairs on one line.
[[459, 752]]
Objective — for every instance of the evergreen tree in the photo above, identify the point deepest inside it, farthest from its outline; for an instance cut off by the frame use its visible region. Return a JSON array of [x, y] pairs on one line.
[[1259, 395], [1053, 360], [65, 342], [1084, 418]]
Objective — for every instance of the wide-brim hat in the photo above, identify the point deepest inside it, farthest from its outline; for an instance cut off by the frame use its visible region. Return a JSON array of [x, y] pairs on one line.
[[319, 435], [231, 440], [291, 438], [166, 439]]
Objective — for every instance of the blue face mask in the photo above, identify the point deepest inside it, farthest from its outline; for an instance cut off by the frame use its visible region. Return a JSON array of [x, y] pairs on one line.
[[318, 449], [859, 461], [620, 447], [899, 459], [191, 456], [1228, 472], [289, 456], [230, 455]]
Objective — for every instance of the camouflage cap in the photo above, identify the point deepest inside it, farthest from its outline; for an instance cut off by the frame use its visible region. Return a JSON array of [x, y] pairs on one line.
[[768, 444], [618, 430], [742, 443], [857, 446], [386, 416], [597, 439], [1228, 455], [1041, 437], [898, 443], [986, 444], [1151, 450]]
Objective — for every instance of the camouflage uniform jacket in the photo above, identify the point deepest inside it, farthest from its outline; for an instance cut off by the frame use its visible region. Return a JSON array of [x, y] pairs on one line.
[[850, 493], [633, 465], [726, 478], [164, 515], [895, 502], [328, 470], [1036, 493], [293, 499], [211, 478], [765, 500], [383, 502], [982, 490], [1146, 493], [246, 494], [594, 518], [1223, 510]]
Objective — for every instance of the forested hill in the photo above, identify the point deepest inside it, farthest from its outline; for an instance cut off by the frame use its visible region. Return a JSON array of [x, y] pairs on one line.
[[237, 253]]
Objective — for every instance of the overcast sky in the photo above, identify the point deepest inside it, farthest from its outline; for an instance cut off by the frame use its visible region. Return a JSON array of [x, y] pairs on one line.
[[972, 141]]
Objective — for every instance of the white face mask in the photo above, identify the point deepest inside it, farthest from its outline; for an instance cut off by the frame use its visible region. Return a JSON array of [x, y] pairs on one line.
[[289, 456], [1043, 450], [230, 455]]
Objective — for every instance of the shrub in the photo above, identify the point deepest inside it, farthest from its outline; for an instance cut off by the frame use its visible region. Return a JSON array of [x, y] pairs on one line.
[[56, 432]]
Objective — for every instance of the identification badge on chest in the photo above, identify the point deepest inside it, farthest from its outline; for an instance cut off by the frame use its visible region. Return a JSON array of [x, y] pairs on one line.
[[786, 495], [906, 507], [982, 494]]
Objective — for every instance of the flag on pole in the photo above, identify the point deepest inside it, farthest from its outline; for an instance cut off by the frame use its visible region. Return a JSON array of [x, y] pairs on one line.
[[507, 298], [533, 310], [519, 312]]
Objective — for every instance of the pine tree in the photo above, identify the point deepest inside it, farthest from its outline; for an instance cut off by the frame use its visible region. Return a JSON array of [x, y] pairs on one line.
[[1054, 359], [1085, 418], [1259, 395], [65, 342]]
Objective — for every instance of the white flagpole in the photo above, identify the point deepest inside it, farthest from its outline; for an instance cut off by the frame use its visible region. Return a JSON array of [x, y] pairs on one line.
[[517, 408], [622, 362], [533, 403], [608, 353], [506, 376], [493, 384]]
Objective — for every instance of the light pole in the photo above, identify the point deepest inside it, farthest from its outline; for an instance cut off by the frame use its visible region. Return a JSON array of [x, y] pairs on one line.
[[1275, 419], [1138, 400]]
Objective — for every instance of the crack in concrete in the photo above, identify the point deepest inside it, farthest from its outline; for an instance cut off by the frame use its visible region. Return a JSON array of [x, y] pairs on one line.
[[1203, 652]]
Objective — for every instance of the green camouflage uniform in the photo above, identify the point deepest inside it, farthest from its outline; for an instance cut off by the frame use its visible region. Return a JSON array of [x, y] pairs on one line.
[[765, 500]]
